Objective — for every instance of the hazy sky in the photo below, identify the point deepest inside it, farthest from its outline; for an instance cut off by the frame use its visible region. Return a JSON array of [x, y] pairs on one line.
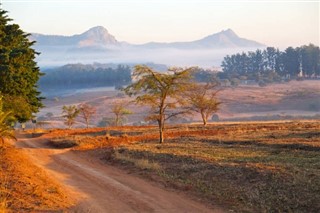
[[274, 23]]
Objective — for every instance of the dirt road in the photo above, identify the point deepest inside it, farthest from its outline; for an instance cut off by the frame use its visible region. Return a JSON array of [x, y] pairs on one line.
[[97, 187]]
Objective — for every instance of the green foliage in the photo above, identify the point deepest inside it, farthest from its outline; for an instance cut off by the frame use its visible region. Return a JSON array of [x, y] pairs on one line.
[[5, 130], [70, 114], [18, 70]]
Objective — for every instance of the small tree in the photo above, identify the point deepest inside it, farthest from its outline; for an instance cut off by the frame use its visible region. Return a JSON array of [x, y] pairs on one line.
[[49, 115], [201, 98], [70, 114], [161, 91], [86, 112], [120, 112]]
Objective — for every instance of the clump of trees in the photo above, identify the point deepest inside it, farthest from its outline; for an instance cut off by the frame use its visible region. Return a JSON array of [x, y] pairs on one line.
[[70, 114], [18, 70], [273, 64], [170, 94]]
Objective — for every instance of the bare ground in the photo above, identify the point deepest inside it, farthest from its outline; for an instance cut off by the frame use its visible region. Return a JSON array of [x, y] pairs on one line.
[[100, 188]]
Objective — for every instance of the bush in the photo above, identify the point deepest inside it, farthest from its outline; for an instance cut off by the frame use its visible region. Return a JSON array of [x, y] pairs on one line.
[[262, 84], [215, 117]]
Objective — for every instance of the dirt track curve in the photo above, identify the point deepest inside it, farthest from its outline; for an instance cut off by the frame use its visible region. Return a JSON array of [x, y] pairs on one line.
[[102, 188]]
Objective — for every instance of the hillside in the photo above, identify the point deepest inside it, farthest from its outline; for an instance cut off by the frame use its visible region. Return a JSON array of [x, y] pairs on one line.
[[293, 100]]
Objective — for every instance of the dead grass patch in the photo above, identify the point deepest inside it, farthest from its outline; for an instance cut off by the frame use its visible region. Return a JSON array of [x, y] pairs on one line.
[[247, 167], [26, 188]]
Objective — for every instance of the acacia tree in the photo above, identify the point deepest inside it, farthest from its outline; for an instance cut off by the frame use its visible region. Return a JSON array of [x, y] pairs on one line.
[[70, 114], [201, 98], [86, 112], [18, 70], [120, 111], [161, 91]]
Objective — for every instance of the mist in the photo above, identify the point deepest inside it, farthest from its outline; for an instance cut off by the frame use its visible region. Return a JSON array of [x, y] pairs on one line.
[[205, 58]]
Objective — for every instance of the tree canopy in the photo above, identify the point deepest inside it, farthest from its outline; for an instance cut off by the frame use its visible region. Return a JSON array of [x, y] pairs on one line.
[[19, 72], [201, 98], [161, 91], [70, 113]]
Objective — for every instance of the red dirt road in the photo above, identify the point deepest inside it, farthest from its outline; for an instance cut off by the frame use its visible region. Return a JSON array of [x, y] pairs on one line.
[[101, 188]]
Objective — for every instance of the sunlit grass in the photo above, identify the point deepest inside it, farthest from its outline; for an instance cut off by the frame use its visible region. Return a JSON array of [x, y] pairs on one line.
[[246, 167]]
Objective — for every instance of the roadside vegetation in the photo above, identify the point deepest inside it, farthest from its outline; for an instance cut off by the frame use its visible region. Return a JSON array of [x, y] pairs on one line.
[[246, 167]]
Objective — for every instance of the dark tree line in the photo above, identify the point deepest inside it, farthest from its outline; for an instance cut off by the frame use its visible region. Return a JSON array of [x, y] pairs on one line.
[[302, 61], [79, 75]]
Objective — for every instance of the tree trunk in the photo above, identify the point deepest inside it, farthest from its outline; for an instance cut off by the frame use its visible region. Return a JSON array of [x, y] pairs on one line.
[[161, 128], [204, 119], [161, 135]]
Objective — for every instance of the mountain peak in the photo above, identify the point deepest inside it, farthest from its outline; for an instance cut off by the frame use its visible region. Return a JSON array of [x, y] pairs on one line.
[[97, 36], [97, 30], [229, 32]]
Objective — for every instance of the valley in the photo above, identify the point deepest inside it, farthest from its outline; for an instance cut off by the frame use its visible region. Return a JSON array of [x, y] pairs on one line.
[[293, 100]]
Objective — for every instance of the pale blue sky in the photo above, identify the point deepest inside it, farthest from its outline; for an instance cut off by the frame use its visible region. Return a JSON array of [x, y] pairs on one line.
[[274, 23]]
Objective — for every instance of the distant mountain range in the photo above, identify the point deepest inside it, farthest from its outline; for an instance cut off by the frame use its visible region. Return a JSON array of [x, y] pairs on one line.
[[98, 45]]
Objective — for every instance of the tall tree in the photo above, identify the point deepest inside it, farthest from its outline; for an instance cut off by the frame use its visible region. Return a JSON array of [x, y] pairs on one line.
[[291, 61], [161, 91], [86, 112], [310, 59], [19, 73], [270, 55]]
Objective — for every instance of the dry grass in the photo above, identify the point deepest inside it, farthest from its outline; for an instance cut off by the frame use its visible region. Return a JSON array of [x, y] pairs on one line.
[[26, 188], [139, 163], [246, 167], [255, 167]]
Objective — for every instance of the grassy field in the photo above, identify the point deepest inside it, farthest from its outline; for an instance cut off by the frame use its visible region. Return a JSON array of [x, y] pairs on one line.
[[244, 167]]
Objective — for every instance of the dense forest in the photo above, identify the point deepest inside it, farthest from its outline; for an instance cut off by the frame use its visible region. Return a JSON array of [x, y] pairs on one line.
[[80, 75], [272, 64]]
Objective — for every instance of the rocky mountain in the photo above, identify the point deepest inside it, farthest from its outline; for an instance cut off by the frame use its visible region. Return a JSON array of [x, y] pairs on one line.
[[98, 45]]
